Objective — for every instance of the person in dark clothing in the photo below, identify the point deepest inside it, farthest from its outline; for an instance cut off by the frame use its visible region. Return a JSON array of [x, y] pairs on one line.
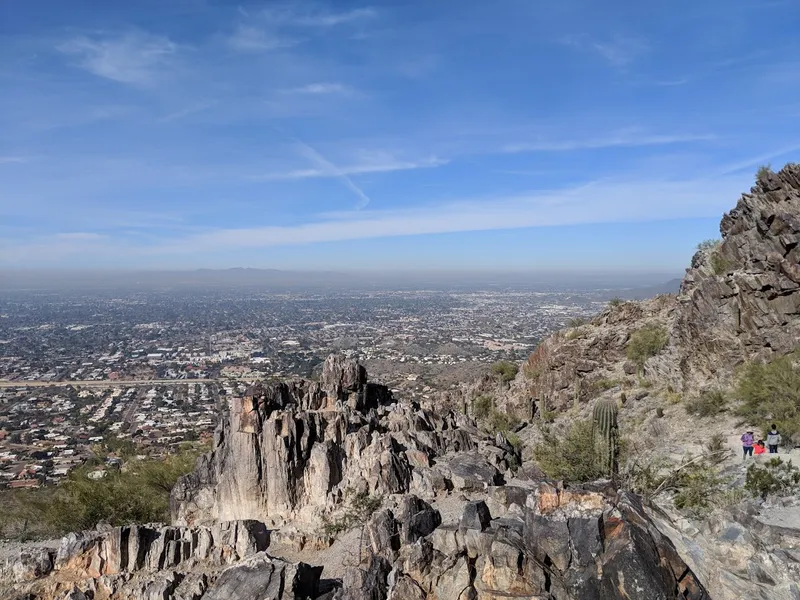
[[773, 440]]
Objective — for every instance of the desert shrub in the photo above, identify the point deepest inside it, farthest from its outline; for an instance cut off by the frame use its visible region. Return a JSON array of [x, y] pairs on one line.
[[482, 407], [770, 393], [645, 343], [716, 443], [775, 478], [576, 321], [697, 487], [643, 476], [763, 171], [708, 244], [616, 301], [505, 370], [515, 441], [602, 385], [719, 265], [571, 456], [500, 422], [359, 507], [138, 494], [708, 404]]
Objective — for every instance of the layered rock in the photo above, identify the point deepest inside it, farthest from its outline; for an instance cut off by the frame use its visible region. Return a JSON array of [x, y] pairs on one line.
[[293, 451], [225, 561], [739, 301], [544, 543]]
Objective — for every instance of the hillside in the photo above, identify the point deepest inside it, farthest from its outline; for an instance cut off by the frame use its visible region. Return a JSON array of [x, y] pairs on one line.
[[608, 467]]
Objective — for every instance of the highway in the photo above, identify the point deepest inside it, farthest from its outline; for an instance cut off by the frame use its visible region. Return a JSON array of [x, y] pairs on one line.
[[118, 383]]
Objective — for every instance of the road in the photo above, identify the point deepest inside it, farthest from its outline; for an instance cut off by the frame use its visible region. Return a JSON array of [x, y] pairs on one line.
[[109, 383]]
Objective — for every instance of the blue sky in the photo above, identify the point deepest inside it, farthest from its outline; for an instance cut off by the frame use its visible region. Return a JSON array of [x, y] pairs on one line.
[[517, 134]]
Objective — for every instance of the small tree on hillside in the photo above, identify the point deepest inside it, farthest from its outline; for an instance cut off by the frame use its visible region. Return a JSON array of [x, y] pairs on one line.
[[646, 343]]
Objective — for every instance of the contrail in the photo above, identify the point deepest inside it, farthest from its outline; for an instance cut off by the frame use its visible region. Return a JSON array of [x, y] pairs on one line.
[[329, 167]]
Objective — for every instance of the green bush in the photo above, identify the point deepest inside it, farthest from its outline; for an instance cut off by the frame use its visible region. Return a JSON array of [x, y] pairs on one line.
[[708, 244], [770, 393], [576, 321], [515, 441], [572, 456], [500, 422], [138, 494], [359, 508], [707, 404], [698, 487], [601, 385], [482, 407], [776, 478], [505, 370], [763, 171], [646, 343], [616, 301], [719, 265]]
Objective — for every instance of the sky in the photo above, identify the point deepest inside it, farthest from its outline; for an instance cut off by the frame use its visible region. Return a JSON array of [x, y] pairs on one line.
[[386, 135]]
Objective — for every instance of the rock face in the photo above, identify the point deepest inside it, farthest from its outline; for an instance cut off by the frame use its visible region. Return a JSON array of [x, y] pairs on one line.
[[293, 451], [739, 301], [557, 545], [225, 561], [740, 552], [292, 454]]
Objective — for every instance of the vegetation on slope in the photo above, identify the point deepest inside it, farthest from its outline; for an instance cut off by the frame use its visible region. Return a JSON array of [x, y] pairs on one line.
[[646, 343], [770, 393], [137, 493]]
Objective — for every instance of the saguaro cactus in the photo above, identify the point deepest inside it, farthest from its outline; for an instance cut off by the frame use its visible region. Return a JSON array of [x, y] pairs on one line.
[[604, 425]]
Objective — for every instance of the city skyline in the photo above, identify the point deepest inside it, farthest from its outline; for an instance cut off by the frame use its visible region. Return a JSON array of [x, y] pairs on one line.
[[352, 136]]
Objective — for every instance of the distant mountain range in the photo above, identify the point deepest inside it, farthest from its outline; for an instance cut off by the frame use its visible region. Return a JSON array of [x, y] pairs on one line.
[[624, 284]]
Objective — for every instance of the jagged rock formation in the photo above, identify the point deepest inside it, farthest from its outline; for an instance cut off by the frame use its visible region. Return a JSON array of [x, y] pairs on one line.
[[156, 562], [286, 458], [739, 301], [293, 451], [740, 552], [544, 542]]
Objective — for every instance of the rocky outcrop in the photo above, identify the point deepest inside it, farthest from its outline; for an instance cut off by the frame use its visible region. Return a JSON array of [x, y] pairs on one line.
[[293, 452], [225, 561], [750, 550], [544, 542], [739, 301]]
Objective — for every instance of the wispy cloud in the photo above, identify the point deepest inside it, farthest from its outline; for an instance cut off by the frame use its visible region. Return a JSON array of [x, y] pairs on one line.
[[135, 58], [381, 164], [600, 202], [5, 160], [672, 82], [597, 202], [81, 236], [332, 170], [620, 139], [251, 38], [323, 88], [618, 51], [192, 109], [324, 19]]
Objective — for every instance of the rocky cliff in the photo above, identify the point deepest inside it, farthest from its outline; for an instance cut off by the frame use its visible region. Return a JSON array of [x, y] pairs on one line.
[[293, 452], [453, 516], [739, 301]]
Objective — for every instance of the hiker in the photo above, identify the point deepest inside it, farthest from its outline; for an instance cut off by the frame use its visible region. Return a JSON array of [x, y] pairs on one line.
[[747, 444], [773, 440], [759, 448]]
